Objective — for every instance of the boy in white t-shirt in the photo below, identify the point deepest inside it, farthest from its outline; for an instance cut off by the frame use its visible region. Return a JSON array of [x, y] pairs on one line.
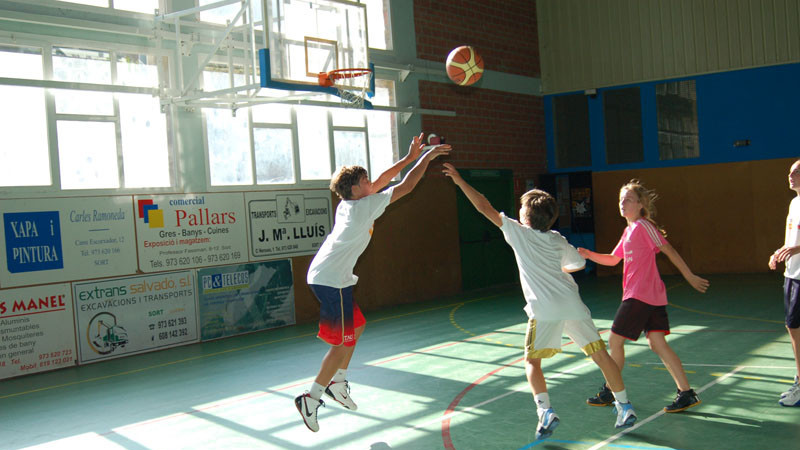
[[554, 305], [331, 277], [791, 285]]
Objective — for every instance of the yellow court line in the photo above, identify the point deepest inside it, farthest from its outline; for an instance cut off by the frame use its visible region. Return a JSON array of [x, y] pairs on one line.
[[725, 316], [230, 350]]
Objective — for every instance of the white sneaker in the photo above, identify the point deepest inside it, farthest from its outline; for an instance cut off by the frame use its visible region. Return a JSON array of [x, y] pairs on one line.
[[308, 406], [548, 421], [626, 416], [792, 397], [340, 391], [792, 388]]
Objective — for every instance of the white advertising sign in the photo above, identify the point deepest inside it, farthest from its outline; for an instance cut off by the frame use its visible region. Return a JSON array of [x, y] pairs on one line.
[[125, 316], [286, 224], [36, 330], [190, 230], [66, 239]]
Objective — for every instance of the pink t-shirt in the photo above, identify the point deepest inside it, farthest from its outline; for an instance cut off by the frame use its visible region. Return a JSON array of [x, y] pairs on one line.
[[638, 247]]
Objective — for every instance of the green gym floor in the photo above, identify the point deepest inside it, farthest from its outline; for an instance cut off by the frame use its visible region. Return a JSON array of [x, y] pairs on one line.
[[446, 374]]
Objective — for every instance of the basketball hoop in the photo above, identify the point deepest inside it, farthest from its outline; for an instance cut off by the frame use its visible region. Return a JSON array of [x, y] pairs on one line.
[[354, 90]]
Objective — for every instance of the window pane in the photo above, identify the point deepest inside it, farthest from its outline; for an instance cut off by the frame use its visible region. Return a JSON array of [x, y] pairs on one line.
[[272, 113], [85, 66], [274, 162], [142, 6], [20, 62], [379, 24], [144, 141], [137, 70], [622, 110], [312, 131], [571, 123], [342, 117], [382, 141], [102, 3], [24, 156], [222, 14], [350, 148], [678, 135], [87, 163], [228, 148], [230, 161]]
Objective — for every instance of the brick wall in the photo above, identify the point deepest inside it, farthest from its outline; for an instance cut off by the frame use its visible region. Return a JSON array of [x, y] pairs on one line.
[[503, 32], [492, 129]]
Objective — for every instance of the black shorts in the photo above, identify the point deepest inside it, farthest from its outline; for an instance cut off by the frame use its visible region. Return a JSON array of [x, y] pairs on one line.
[[791, 302], [634, 316]]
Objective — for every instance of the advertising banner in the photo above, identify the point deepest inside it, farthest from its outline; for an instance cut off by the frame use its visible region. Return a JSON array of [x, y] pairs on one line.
[[66, 239], [242, 298], [197, 230], [286, 224], [36, 330], [125, 316]]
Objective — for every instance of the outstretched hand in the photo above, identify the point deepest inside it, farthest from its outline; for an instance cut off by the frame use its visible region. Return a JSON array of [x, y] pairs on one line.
[[416, 146], [584, 252], [438, 150], [450, 171]]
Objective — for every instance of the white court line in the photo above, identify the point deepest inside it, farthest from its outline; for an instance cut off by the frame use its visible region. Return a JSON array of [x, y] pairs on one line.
[[724, 365], [396, 434], [660, 413]]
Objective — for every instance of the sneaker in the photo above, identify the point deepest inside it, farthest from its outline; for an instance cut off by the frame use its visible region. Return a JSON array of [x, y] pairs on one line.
[[548, 421], [792, 397], [340, 391], [626, 416], [684, 400], [308, 406], [603, 398], [792, 388]]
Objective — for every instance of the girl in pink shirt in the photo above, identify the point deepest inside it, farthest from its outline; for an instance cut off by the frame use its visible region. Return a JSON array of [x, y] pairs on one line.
[[644, 297]]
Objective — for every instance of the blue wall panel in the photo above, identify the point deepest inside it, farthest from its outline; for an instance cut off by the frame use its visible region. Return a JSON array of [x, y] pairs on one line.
[[760, 105]]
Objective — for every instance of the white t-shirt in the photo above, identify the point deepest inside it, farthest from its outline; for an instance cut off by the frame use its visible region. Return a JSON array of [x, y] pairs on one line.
[[551, 294], [352, 230], [793, 239]]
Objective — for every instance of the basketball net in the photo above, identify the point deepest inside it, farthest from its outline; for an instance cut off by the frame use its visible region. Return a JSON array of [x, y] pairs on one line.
[[353, 91]]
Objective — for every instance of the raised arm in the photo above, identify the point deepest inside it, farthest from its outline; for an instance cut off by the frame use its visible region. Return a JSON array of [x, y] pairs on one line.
[[414, 150], [476, 198], [604, 259], [698, 283], [415, 174]]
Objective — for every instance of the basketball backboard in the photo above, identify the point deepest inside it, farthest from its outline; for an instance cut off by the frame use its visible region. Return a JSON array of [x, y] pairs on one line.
[[306, 37]]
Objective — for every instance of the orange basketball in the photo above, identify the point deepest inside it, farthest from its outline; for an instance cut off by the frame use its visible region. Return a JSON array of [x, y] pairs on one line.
[[464, 65]]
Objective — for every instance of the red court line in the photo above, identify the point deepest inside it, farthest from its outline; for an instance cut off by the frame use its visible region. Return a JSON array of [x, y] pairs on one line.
[[446, 439]]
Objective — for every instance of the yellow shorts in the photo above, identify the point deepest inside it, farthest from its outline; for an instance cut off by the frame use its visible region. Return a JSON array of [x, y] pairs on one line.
[[543, 338]]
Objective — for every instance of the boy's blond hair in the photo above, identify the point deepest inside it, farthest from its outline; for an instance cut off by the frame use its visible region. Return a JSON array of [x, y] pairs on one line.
[[540, 209], [345, 178]]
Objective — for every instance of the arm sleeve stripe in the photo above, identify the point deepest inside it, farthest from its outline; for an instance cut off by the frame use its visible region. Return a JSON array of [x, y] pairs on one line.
[[651, 231]]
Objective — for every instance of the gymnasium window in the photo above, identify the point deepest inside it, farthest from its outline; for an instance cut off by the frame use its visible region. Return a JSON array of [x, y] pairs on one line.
[[678, 135], [128, 145], [378, 19], [571, 122], [276, 144], [622, 110], [142, 6]]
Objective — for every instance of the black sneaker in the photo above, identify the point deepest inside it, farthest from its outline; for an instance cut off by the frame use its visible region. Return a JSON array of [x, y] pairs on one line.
[[603, 398], [684, 400]]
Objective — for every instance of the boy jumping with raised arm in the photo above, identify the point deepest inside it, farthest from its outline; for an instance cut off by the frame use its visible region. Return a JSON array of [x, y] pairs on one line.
[[554, 306], [331, 277]]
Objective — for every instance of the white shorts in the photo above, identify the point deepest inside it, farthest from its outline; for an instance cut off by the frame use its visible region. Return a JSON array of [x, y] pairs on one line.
[[543, 338]]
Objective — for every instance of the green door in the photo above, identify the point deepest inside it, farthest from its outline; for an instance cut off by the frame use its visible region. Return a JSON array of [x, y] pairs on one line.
[[486, 259]]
